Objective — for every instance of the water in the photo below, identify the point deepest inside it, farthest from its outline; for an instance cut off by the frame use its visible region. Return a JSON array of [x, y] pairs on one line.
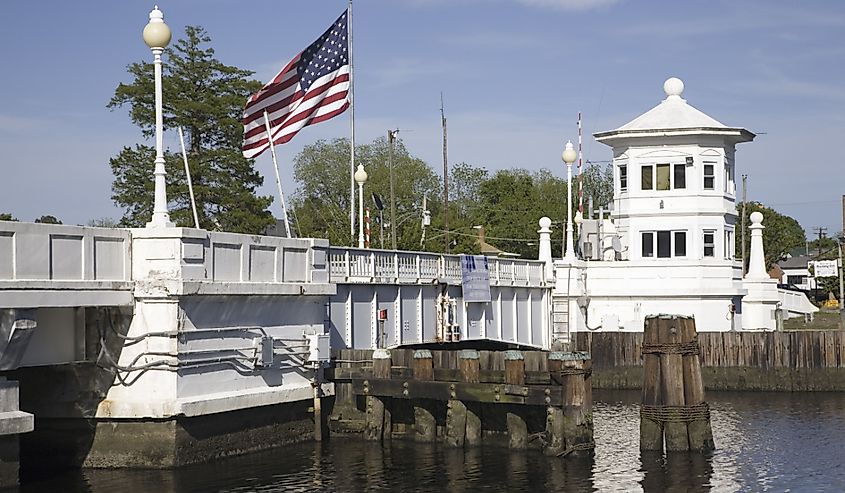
[[766, 442]]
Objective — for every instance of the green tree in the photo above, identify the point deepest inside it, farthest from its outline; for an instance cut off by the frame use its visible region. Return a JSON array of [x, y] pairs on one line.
[[103, 222], [5, 216], [781, 234], [48, 220], [206, 98], [321, 202]]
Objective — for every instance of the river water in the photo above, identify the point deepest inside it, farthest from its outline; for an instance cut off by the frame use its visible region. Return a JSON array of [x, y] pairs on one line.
[[765, 442]]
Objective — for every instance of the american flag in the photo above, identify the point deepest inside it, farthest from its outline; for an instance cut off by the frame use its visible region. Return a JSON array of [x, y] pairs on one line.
[[311, 88]]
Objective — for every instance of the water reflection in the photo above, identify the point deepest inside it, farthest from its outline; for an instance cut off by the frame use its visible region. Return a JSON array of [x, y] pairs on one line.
[[765, 442]]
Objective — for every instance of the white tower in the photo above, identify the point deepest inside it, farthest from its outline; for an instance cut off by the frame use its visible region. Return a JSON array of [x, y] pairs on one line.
[[674, 187]]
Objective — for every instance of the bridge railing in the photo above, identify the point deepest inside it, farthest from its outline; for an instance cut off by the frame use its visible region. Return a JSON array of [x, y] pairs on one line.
[[356, 265], [31, 252]]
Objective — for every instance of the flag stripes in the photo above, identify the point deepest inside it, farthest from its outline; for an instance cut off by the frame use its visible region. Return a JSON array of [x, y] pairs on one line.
[[313, 87]]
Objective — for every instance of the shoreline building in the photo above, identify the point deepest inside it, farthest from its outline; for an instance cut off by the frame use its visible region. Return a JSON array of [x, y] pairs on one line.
[[669, 241]]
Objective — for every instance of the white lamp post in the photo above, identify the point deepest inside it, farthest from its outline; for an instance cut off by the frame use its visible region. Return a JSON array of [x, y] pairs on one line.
[[157, 36], [360, 179], [569, 156]]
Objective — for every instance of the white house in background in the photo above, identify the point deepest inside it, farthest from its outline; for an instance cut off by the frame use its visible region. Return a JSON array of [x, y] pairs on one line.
[[796, 272], [668, 245]]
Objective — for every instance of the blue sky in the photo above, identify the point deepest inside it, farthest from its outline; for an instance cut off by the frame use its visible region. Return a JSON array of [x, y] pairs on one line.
[[515, 73]]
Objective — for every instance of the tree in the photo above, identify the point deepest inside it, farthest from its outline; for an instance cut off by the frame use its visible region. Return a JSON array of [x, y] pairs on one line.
[[781, 234], [321, 203], [48, 220], [5, 216], [206, 98], [103, 222]]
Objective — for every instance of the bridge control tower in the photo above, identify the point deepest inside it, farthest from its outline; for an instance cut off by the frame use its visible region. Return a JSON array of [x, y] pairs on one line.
[[674, 183]]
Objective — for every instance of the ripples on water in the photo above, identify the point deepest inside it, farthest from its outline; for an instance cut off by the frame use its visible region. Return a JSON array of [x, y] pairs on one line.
[[765, 442]]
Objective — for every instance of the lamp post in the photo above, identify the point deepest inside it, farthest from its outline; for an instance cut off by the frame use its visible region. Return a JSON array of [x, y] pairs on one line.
[[157, 36], [569, 156], [391, 135], [360, 179]]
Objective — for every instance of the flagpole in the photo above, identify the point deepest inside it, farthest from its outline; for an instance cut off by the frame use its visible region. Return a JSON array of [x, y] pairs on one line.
[[352, 133], [188, 174], [276, 167]]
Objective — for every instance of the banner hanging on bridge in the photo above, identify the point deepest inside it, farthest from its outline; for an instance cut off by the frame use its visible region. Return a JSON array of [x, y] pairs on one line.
[[475, 278]]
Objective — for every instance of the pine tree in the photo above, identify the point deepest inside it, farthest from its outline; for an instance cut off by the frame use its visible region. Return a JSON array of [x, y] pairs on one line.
[[206, 98]]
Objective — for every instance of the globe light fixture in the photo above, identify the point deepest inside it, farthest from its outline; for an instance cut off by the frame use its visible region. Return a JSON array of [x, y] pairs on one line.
[[157, 37], [569, 156], [360, 178]]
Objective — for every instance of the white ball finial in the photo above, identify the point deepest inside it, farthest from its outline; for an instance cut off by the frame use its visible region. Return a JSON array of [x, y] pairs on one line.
[[569, 155], [673, 87], [156, 32], [360, 175], [545, 222], [756, 217]]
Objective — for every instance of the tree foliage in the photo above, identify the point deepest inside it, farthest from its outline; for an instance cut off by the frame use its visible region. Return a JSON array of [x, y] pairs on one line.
[[781, 234], [205, 97], [5, 216], [48, 220], [321, 203]]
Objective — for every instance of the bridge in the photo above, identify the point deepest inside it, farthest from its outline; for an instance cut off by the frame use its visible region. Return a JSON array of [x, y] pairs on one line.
[[117, 325]]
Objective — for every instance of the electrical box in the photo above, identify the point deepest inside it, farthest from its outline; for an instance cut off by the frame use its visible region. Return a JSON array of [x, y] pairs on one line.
[[319, 349], [265, 352], [382, 314]]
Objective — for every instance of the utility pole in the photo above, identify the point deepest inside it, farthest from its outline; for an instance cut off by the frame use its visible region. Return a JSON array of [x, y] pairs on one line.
[[821, 232], [744, 201], [391, 134], [445, 175]]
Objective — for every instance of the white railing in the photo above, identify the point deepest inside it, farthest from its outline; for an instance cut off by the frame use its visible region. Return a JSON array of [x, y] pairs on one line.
[[58, 253], [796, 303], [353, 265]]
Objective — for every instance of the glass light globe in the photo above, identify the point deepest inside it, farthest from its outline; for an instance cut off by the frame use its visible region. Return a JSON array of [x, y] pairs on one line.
[[569, 155], [156, 32]]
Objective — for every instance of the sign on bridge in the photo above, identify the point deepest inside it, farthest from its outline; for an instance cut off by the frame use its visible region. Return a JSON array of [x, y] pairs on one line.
[[475, 278]]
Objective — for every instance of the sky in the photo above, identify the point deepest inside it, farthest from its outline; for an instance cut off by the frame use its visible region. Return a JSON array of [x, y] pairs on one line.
[[514, 74]]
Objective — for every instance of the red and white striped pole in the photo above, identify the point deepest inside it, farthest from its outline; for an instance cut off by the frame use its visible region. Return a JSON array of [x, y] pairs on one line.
[[367, 227], [580, 166]]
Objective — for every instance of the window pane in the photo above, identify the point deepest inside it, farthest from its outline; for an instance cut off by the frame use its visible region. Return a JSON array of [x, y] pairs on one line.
[[709, 179], [680, 176], [709, 244], [663, 177], [647, 178], [623, 178], [680, 244], [664, 247], [648, 244]]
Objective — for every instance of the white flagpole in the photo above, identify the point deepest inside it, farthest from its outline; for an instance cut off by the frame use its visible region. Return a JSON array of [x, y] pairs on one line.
[[352, 133], [188, 174], [276, 167]]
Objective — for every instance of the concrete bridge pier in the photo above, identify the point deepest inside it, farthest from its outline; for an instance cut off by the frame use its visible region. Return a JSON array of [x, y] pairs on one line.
[[13, 422]]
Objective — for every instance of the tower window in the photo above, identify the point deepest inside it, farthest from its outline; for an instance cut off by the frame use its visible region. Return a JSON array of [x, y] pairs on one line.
[[709, 177], [623, 178], [680, 176], [709, 242], [647, 178]]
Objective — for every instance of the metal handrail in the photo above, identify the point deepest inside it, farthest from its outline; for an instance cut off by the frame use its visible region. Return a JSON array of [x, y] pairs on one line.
[[360, 265]]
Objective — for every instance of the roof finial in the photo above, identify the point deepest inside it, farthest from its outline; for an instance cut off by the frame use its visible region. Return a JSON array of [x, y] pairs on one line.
[[673, 87]]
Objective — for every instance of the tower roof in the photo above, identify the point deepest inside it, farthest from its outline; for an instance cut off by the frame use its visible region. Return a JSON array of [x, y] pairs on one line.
[[674, 116]]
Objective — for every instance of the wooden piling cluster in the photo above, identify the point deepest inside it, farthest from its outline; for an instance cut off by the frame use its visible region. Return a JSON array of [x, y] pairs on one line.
[[465, 398], [673, 406]]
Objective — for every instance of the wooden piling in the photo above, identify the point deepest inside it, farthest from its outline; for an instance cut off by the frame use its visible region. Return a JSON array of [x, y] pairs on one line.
[[577, 427], [425, 425], [379, 424], [470, 372], [699, 430], [651, 431], [555, 439], [672, 383], [673, 391], [515, 375]]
